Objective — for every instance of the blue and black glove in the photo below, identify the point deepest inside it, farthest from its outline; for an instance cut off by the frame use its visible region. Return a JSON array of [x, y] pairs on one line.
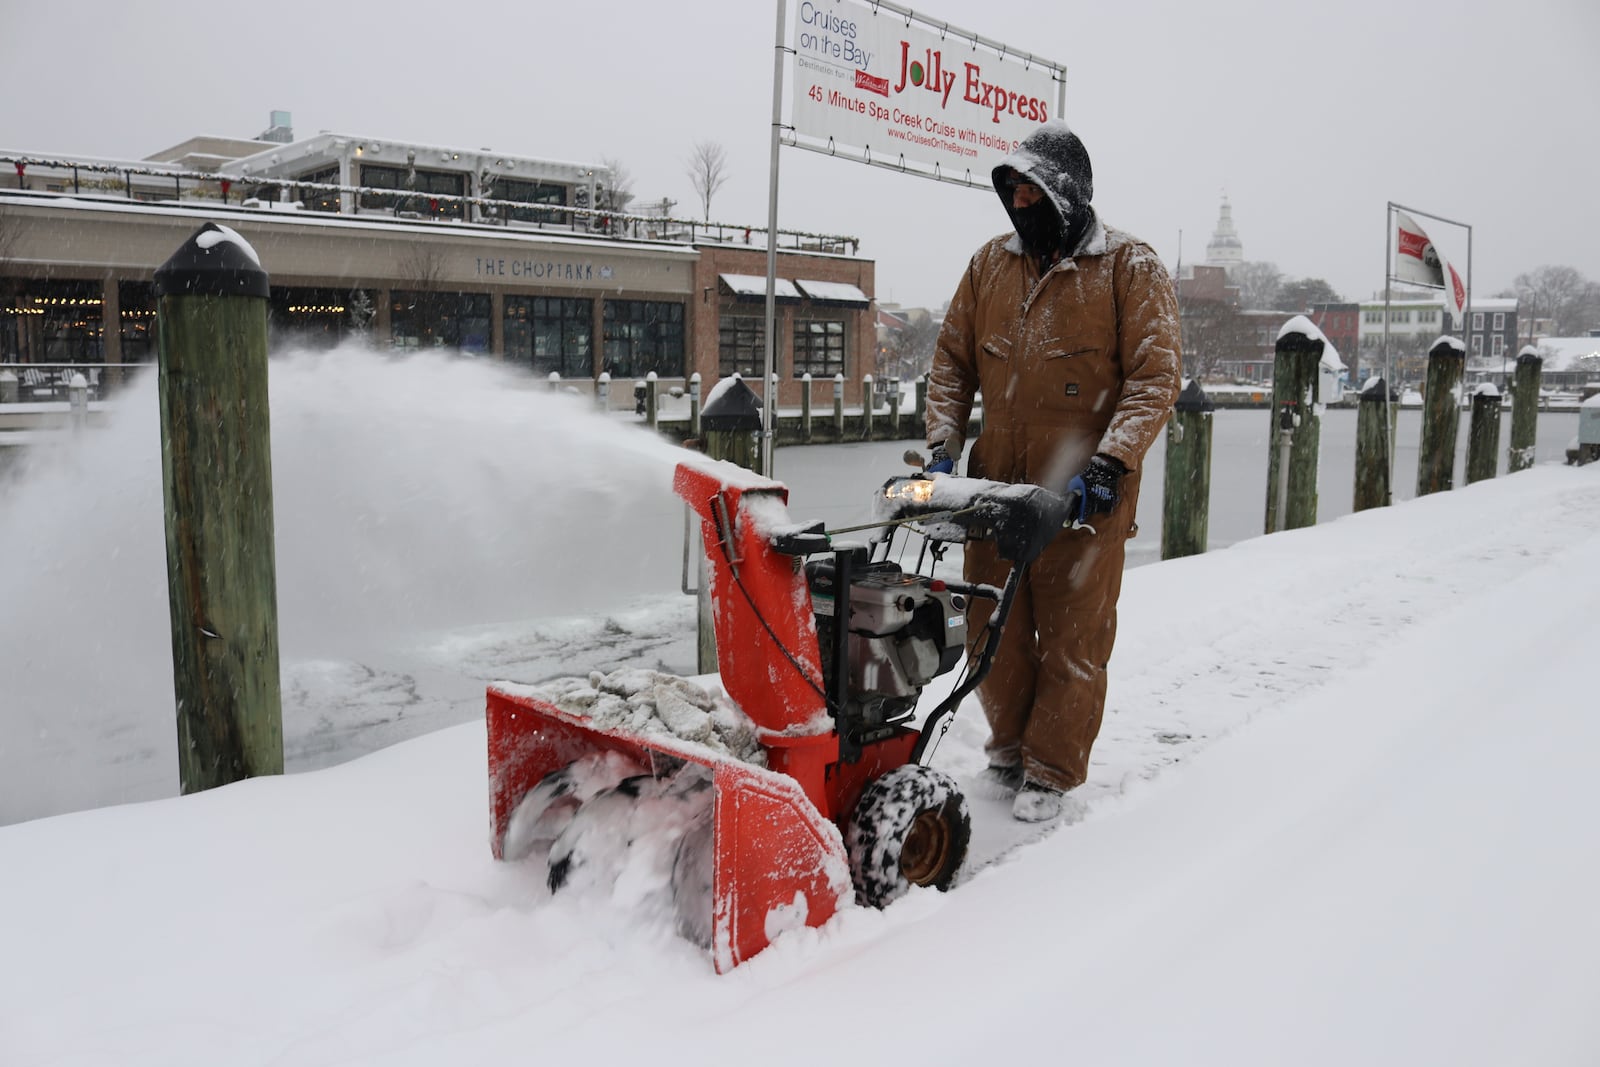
[[1100, 485], [942, 462]]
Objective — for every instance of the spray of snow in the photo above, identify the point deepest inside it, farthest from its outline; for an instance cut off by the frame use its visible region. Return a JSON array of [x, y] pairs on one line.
[[412, 495]]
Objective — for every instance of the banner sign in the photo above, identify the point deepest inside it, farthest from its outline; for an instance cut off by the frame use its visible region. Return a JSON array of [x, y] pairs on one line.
[[869, 78], [1419, 262]]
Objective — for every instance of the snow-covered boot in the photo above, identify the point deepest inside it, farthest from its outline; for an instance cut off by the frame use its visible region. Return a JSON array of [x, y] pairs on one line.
[[1000, 780], [1038, 802]]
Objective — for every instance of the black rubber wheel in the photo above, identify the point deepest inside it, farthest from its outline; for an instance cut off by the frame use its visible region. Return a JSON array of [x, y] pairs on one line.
[[911, 827]]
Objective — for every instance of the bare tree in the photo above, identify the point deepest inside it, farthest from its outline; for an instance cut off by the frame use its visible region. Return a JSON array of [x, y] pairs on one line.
[[1214, 333], [1408, 357], [1301, 293], [421, 267], [909, 349], [708, 170], [1562, 295], [617, 194], [1258, 285]]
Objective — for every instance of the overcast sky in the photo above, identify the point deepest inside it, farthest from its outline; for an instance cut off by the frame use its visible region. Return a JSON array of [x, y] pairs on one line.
[[1309, 117]]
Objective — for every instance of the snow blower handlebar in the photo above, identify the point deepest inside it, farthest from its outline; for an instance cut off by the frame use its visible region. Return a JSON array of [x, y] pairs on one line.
[[1021, 520]]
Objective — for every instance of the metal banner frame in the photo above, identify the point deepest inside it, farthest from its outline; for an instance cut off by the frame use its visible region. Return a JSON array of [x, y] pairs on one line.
[[787, 135], [1389, 279]]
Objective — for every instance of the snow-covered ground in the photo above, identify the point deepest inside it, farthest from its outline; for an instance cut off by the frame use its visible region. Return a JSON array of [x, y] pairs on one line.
[[1340, 811]]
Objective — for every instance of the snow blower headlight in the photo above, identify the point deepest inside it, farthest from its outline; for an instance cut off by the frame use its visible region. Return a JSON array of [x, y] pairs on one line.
[[909, 490]]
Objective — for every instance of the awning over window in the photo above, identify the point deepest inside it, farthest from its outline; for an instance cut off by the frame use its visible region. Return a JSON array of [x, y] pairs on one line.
[[833, 294], [753, 288]]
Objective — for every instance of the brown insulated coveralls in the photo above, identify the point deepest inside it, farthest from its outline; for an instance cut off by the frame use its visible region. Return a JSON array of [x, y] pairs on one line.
[[1084, 359]]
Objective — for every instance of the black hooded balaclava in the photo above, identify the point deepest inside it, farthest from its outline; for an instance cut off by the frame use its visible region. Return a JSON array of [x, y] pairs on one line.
[[1054, 159]]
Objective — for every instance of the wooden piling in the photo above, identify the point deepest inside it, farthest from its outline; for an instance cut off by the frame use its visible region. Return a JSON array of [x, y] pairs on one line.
[[1483, 434], [216, 467], [1296, 373], [1525, 384], [1441, 417], [921, 412], [866, 408], [1373, 444], [805, 407], [838, 407], [1186, 498]]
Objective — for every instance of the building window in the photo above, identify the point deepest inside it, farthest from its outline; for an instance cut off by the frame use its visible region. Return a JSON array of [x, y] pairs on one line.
[[529, 193], [643, 336], [315, 318], [319, 199], [818, 348], [1477, 344], [137, 304], [52, 322], [1499, 320], [741, 346], [1477, 320], [1499, 346], [439, 320], [416, 191], [1373, 316], [551, 334]]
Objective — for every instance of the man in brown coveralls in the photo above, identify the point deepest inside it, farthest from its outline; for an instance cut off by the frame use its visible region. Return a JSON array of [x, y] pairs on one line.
[[1069, 329]]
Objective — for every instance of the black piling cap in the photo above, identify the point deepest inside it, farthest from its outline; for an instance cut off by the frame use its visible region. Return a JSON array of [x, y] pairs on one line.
[[1193, 398], [1373, 391], [1376, 391], [1299, 343], [1529, 355], [735, 408], [1448, 346], [213, 262]]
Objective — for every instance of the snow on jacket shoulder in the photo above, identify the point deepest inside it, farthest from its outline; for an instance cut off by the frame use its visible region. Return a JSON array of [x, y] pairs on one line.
[[1085, 359]]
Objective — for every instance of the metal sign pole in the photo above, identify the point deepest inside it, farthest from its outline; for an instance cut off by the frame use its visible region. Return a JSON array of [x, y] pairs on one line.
[[1389, 385], [769, 389]]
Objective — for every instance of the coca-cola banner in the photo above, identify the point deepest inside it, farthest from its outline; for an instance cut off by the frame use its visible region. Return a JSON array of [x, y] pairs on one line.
[[879, 81], [1418, 261]]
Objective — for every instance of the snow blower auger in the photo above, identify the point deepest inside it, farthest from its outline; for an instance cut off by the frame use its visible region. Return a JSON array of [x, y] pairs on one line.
[[810, 788]]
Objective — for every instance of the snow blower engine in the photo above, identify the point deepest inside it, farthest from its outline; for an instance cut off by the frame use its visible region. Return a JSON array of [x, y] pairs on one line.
[[805, 788]]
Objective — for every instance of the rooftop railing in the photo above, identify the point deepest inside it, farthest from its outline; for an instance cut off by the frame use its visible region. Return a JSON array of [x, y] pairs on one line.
[[108, 177]]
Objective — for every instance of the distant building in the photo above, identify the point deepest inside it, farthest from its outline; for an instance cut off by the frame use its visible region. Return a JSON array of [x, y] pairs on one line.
[[1412, 324], [1491, 328], [413, 246], [1416, 322], [1341, 326], [1225, 250], [1206, 283]]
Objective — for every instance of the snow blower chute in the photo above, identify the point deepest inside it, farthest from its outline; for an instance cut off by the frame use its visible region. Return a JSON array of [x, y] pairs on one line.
[[829, 801]]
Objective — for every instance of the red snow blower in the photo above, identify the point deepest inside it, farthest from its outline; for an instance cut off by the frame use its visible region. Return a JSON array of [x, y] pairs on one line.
[[825, 646]]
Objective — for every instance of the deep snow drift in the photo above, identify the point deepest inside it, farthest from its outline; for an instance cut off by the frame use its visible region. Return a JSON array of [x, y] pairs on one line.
[[1340, 813]]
